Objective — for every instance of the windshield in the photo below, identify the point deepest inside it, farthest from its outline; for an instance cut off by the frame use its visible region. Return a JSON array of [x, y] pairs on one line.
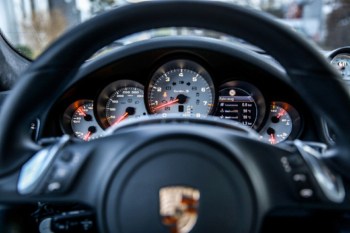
[[31, 25]]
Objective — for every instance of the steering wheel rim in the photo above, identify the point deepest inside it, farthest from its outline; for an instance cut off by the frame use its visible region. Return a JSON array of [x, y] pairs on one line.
[[51, 72]]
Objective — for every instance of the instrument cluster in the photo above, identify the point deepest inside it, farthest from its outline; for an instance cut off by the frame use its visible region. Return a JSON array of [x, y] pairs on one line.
[[182, 88]]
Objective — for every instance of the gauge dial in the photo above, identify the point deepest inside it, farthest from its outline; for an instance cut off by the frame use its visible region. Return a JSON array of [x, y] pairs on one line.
[[79, 120], [181, 88], [283, 123], [126, 102], [242, 102], [121, 100], [342, 63]]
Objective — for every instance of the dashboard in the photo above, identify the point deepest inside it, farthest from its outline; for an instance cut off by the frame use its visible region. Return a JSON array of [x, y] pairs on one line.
[[184, 82]]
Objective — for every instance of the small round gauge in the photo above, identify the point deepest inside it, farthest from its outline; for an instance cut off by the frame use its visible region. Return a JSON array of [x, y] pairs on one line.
[[181, 88], [121, 100], [342, 63], [242, 102], [283, 123], [78, 119]]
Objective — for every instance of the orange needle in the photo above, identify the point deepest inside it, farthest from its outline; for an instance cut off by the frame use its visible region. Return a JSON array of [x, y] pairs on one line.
[[87, 136], [281, 113], [81, 111], [121, 118], [272, 139], [166, 104]]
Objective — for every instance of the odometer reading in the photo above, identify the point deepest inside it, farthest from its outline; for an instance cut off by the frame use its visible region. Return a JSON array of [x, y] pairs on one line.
[[178, 88]]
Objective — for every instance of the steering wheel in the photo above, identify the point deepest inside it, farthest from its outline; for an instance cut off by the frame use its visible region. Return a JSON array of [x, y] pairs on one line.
[[176, 176]]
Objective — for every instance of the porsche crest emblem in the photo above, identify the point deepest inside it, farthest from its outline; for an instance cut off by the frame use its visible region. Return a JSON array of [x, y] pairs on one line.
[[178, 208]]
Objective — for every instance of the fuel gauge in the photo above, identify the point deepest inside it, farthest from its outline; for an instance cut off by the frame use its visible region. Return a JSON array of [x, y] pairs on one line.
[[283, 123], [79, 120], [241, 101]]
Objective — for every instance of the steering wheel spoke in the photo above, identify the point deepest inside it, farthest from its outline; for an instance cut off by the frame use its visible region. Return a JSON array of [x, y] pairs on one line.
[[296, 179], [64, 172]]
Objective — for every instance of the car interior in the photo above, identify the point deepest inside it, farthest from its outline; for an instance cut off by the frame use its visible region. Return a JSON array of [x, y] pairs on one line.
[[176, 133]]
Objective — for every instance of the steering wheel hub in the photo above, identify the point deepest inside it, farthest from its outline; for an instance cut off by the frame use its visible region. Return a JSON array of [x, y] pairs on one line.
[[177, 184]]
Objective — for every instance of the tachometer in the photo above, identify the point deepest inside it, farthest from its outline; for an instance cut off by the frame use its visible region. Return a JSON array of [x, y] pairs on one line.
[[181, 88]]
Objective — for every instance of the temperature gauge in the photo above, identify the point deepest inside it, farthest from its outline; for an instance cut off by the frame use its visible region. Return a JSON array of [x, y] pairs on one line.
[[283, 123], [79, 120]]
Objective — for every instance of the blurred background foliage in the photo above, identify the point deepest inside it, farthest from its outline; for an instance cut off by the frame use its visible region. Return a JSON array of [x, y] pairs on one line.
[[31, 25]]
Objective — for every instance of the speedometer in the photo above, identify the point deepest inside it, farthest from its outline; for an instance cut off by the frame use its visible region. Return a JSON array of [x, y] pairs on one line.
[[124, 103], [181, 88], [119, 101]]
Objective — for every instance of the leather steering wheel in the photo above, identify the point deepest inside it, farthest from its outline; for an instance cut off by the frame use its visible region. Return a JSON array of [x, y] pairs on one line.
[[234, 183]]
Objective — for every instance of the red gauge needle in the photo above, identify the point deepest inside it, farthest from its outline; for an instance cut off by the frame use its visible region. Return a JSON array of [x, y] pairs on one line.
[[166, 104], [122, 117], [87, 136], [91, 130], [271, 132], [129, 111], [281, 113], [81, 111], [181, 99], [272, 139]]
